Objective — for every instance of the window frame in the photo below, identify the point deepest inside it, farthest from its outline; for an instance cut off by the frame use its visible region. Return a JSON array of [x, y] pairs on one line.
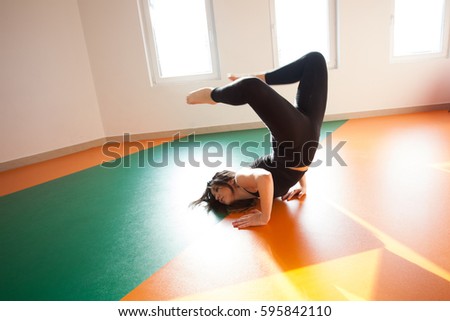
[[332, 33], [444, 53], [151, 51]]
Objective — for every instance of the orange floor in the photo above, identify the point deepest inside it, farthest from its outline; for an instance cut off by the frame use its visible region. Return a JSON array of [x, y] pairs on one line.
[[20, 178], [377, 228]]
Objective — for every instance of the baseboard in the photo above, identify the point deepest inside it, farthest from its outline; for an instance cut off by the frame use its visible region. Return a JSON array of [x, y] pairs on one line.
[[173, 134], [60, 152], [29, 160]]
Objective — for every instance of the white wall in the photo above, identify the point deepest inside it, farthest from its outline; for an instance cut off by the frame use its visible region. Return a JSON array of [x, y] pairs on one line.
[[365, 79], [129, 104], [46, 58], [47, 96]]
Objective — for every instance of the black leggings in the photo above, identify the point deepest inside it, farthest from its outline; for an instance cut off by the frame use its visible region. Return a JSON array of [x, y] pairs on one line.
[[295, 130]]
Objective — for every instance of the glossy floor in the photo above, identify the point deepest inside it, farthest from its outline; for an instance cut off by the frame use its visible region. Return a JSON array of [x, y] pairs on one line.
[[375, 224]]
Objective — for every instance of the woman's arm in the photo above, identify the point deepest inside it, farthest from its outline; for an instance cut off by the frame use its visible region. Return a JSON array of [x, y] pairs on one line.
[[303, 184], [256, 179], [264, 184]]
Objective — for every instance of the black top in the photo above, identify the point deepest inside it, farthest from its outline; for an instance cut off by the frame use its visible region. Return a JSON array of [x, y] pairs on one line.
[[283, 177]]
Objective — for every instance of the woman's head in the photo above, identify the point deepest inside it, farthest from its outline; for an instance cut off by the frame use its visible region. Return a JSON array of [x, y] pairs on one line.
[[219, 195]]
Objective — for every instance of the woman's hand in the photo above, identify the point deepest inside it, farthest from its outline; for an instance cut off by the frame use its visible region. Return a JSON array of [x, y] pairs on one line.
[[294, 193], [253, 218]]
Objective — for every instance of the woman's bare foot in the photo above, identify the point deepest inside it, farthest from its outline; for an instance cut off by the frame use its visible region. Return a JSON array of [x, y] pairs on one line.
[[234, 77], [200, 96]]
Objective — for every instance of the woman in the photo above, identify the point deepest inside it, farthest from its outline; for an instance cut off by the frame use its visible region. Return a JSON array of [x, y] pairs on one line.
[[295, 133]]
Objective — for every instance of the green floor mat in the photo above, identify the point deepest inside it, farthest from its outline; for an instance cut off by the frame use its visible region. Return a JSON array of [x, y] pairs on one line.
[[100, 232]]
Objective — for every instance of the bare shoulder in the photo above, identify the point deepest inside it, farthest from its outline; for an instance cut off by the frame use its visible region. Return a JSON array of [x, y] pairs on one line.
[[247, 176]]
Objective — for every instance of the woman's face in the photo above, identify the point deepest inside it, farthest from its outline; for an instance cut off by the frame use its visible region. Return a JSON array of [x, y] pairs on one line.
[[223, 194]]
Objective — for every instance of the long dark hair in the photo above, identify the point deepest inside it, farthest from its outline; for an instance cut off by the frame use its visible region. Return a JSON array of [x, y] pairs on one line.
[[222, 179]]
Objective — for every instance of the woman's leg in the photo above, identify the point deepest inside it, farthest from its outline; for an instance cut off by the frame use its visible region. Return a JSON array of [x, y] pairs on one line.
[[200, 96], [280, 116], [286, 123], [311, 71]]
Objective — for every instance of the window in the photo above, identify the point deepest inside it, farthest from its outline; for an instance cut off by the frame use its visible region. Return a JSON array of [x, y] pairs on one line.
[[301, 26], [180, 39], [420, 27]]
